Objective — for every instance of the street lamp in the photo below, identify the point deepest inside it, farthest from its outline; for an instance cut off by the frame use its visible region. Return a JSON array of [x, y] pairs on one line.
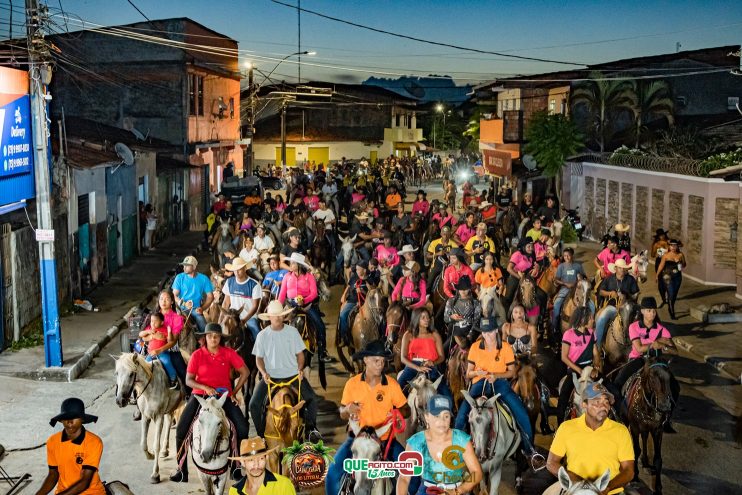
[[440, 109]]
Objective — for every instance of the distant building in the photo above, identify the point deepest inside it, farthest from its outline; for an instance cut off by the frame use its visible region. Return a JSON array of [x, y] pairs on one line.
[[441, 89]]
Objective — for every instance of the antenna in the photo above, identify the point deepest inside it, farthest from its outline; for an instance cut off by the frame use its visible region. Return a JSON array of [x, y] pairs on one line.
[[123, 152]]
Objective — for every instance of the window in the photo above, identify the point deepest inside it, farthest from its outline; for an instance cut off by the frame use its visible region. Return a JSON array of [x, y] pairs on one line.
[[563, 109], [83, 209], [231, 108], [196, 95], [552, 106]]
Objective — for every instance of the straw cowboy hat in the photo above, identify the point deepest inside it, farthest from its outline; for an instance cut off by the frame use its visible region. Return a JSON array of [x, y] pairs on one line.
[[620, 263], [622, 227], [407, 248], [274, 308], [485, 204], [237, 264], [363, 216], [300, 259], [412, 266], [253, 448]]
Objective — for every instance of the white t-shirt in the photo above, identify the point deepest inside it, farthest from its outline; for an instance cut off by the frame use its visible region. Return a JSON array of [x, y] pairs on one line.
[[325, 216], [242, 296], [250, 256], [278, 350], [329, 188], [263, 243]]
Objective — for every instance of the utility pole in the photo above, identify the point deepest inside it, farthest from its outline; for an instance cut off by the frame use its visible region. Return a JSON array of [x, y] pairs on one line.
[[39, 77], [298, 14], [283, 139], [250, 119]]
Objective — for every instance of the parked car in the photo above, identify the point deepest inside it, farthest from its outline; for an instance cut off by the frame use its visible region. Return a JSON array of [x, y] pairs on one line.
[[236, 188]]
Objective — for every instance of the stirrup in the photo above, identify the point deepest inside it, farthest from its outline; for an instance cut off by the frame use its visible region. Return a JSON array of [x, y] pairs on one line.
[[538, 462]]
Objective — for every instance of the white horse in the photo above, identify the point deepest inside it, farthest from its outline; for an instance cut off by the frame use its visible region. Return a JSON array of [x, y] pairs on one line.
[[367, 445], [155, 400], [582, 487], [493, 439], [211, 444], [421, 390], [640, 264], [490, 301], [350, 256]]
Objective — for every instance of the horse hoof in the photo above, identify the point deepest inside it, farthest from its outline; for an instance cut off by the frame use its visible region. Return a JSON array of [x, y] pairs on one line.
[[164, 454], [154, 479], [149, 455]]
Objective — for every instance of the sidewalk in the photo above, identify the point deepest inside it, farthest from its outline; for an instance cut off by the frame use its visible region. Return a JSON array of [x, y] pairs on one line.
[[85, 333], [718, 344]]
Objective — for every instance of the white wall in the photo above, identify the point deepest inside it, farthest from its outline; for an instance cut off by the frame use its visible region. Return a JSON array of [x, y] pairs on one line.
[[265, 153], [85, 182]]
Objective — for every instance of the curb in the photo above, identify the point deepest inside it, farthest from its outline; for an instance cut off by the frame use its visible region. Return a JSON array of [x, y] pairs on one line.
[[718, 364]]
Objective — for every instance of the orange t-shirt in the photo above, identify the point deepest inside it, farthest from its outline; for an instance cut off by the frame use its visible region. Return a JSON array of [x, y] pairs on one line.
[[488, 279], [493, 361], [392, 200], [70, 457], [376, 403]]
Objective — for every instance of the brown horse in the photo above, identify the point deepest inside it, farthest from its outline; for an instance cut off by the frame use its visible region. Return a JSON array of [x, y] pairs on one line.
[[616, 342], [320, 253], [456, 369], [527, 387], [546, 281], [525, 295], [578, 297], [365, 326], [649, 404], [242, 342], [439, 298], [397, 321], [283, 423]]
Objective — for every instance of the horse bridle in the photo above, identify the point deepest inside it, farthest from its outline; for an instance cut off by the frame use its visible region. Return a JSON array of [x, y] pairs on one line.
[[222, 424], [136, 374]]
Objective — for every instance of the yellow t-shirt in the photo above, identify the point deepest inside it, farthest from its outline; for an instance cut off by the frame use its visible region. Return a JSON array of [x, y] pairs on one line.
[[273, 484], [377, 402], [589, 452], [436, 245]]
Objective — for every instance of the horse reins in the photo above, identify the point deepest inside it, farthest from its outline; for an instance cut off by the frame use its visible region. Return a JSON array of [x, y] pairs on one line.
[[274, 386]]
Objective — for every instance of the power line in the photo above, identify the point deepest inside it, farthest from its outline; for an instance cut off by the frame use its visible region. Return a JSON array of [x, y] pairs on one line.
[[138, 10], [421, 40]]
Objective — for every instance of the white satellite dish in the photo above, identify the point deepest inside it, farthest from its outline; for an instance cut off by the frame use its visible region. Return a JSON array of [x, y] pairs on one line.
[[529, 162], [128, 124], [126, 155], [138, 134]]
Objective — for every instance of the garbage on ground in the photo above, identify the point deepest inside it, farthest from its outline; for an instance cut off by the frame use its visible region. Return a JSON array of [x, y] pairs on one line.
[[86, 305]]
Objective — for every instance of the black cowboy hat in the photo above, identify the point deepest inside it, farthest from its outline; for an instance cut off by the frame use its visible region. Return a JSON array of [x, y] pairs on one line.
[[73, 408], [649, 303], [464, 283], [212, 328], [420, 191], [660, 232], [377, 348]]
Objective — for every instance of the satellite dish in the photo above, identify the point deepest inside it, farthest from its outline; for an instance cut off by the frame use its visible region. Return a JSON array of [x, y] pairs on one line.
[[138, 134], [126, 155], [529, 162]]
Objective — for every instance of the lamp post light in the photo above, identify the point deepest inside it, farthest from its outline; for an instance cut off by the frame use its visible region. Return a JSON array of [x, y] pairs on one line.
[[249, 155], [439, 108]]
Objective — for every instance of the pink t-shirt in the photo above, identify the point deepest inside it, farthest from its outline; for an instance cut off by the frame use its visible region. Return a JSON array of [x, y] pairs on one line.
[[387, 256], [312, 203], [356, 197], [301, 285], [420, 207], [174, 321], [405, 288], [646, 336], [540, 250], [577, 343], [606, 256], [521, 262], [465, 232]]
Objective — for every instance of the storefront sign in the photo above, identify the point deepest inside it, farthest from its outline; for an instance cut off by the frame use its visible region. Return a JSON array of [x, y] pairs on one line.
[[497, 162], [16, 140]]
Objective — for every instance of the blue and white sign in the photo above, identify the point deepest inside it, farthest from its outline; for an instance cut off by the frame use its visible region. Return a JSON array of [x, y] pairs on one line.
[[15, 137]]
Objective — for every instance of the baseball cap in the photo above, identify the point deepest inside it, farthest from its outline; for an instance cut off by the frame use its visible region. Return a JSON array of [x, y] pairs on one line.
[[487, 325], [438, 404], [595, 390], [190, 260]]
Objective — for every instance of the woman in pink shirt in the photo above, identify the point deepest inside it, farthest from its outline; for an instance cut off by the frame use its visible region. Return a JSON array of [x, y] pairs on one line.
[[311, 200], [443, 218], [300, 288], [356, 196], [411, 288], [522, 262], [421, 204], [386, 253], [466, 230]]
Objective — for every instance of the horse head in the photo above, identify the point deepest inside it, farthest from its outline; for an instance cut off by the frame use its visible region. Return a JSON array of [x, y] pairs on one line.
[[229, 320], [582, 292], [347, 249], [583, 487], [323, 289], [424, 390], [209, 423], [526, 382], [581, 383], [527, 288], [480, 421], [490, 301], [366, 445], [640, 263], [656, 377], [129, 366], [285, 413]]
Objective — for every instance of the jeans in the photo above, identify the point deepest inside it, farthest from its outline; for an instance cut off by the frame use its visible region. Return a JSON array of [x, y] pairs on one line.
[[199, 320], [345, 319], [673, 288], [502, 387], [190, 411], [260, 394], [339, 266], [316, 322], [336, 473], [167, 364], [559, 299], [253, 324], [408, 374], [602, 322]]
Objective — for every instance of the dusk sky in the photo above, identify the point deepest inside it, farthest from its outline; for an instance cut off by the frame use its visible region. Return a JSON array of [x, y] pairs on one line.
[[542, 29]]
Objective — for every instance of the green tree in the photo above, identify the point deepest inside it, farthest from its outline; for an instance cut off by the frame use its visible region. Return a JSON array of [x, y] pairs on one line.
[[650, 99], [603, 98], [551, 139]]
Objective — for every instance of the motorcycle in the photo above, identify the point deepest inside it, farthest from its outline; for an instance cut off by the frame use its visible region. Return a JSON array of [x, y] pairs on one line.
[[574, 220]]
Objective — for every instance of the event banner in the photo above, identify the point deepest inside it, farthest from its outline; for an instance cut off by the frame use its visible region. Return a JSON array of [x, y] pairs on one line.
[[15, 137]]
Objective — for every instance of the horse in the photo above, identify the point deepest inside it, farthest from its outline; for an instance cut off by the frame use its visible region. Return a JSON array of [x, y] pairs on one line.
[[510, 221], [527, 387], [298, 319], [223, 241], [582, 487], [546, 280], [320, 253], [241, 341], [117, 488], [640, 265], [367, 445], [438, 298], [616, 342], [421, 390], [583, 382], [212, 441], [364, 328], [648, 405], [456, 368], [494, 437], [491, 303], [397, 320], [578, 297], [525, 295], [283, 423], [155, 400], [350, 256], [385, 283], [323, 290]]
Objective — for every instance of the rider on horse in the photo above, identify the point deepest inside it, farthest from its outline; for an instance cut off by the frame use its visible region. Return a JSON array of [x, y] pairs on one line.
[[610, 254], [437, 254], [353, 295], [410, 289], [463, 313], [457, 269], [478, 245], [619, 283], [243, 294], [273, 279], [567, 275]]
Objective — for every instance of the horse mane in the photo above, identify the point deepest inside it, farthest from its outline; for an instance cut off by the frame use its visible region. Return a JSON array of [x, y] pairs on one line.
[[140, 361], [284, 418]]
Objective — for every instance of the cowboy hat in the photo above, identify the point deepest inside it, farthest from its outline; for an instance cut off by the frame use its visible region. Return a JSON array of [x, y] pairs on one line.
[[298, 258], [274, 308], [620, 263], [212, 328], [485, 204], [293, 231], [648, 303], [190, 260], [73, 408], [412, 266], [622, 227], [237, 264], [407, 248], [373, 349], [363, 216], [251, 448], [464, 283], [660, 232]]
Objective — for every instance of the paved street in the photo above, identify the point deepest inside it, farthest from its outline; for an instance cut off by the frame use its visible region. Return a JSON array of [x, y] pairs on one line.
[[701, 458]]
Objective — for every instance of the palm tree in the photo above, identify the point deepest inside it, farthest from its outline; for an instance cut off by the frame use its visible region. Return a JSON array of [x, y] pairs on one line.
[[651, 99], [603, 98]]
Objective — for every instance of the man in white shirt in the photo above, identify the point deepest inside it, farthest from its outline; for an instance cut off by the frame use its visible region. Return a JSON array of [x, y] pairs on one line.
[[251, 256], [263, 243], [243, 294], [279, 355], [325, 215]]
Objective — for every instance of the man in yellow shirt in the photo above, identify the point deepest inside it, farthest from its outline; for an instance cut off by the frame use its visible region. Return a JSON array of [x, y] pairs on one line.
[[437, 249], [593, 443], [253, 457], [368, 398]]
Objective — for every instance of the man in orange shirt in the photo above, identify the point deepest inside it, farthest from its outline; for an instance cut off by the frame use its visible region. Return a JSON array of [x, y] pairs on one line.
[[393, 199], [73, 455]]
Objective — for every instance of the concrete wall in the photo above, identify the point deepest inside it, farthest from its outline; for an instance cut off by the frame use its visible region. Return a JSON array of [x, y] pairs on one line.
[[702, 213], [265, 153]]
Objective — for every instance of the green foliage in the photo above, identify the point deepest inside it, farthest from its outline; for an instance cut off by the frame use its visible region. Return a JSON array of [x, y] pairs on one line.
[[651, 99], [684, 142], [551, 139], [569, 234], [721, 160], [33, 337]]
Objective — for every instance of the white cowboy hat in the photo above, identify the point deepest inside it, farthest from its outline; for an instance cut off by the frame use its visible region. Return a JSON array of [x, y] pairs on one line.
[[363, 216], [620, 263], [622, 227], [485, 204], [407, 248], [300, 259], [238, 263], [274, 308]]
